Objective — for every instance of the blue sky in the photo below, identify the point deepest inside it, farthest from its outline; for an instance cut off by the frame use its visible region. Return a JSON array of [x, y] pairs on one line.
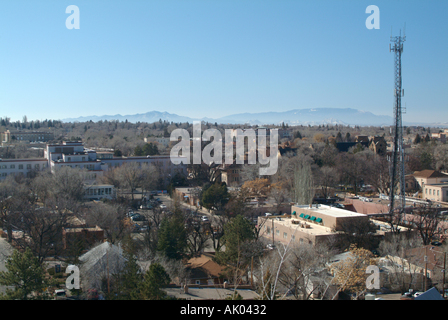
[[212, 58]]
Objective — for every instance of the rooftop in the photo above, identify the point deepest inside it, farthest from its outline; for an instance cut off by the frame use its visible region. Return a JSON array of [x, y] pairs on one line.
[[312, 229], [430, 174], [329, 211], [437, 185]]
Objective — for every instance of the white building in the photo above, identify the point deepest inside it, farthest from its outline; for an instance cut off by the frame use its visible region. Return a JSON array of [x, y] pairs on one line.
[[100, 191], [74, 155], [21, 166]]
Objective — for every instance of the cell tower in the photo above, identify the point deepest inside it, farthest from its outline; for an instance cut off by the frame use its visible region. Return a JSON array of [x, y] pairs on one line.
[[397, 171]]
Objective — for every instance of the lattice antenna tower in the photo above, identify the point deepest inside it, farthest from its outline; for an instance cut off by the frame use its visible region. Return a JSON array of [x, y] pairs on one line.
[[397, 172]]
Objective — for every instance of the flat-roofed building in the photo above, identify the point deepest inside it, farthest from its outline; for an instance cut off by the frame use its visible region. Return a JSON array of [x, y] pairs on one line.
[[307, 224], [23, 167], [100, 191], [74, 155], [436, 192], [34, 136]]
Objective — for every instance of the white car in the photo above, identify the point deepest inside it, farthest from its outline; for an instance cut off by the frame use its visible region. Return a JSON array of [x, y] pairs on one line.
[[162, 206], [205, 218]]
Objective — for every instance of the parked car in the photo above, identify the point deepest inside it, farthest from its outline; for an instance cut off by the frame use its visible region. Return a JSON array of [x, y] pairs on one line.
[[60, 294], [204, 219], [138, 217]]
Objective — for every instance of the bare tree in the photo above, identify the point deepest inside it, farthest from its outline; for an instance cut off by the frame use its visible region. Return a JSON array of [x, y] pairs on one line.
[[42, 227], [149, 178], [110, 217], [306, 264], [427, 221], [303, 191], [130, 176], [327, 178], [69, 183], [397, 258]]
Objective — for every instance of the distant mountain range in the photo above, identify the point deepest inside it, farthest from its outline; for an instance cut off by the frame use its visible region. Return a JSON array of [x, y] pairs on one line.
[[318, 116]]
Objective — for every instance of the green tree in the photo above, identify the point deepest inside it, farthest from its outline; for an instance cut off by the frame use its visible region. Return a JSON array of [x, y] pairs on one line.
[[127, 282], [417, 139], [150, 149], [154, 279], [237, 232], [27, 275], [216, 196], [138, 151], [172, 236]]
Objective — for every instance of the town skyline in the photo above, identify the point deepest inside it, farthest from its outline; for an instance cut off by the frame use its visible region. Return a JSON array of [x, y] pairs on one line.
[[200, 59]]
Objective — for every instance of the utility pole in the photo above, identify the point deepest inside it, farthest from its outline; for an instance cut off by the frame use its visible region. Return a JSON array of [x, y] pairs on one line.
[[444, 273], [426, 267], [397, 172]]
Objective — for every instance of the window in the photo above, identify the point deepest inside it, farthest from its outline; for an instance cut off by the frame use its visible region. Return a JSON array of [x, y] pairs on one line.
[[4, 174], [13, 166], [4, 166], [277, 232], [28, 166], [285, 235], [20, 166]]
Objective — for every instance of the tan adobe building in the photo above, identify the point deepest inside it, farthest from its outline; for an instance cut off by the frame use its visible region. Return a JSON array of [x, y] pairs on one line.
[[429, 177], [436, 192], [306, 224]]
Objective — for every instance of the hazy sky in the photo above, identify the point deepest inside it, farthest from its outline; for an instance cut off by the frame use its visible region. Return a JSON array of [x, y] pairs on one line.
[[211, 58]]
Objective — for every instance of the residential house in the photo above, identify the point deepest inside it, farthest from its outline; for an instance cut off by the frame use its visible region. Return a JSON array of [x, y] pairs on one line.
[[80, 238], [420, 260], [99, 264], [204, 271], [378, 145], [440, 136]]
